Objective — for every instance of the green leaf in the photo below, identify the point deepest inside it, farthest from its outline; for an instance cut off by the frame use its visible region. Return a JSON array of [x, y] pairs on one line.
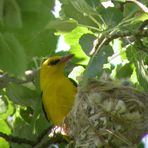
[[72, 39], [6, 107], [87, 42], [39, 44], [35, 14], [3, 106], [71, 12], [142, 74], [22, 95], [12, 12], [129, 10], [28, 130], [135, 22], [141, 145], [40, 123], [37, 5], [4, 143], [83, 7], [62, 25], [27, 114], [125, 71], [112, 16], [4, 127], [134, 55], [95, 66], [92, 3], [1, 12], [139, 18], [12, 55], [23, 129]]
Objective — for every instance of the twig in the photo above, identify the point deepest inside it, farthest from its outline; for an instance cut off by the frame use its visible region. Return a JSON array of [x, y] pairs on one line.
[[140, 5], [105, 39], [5, 78], [57, 138], [120, 137], [40, 138], [42, 141], [19, 140], [14, 139], [140, 34]]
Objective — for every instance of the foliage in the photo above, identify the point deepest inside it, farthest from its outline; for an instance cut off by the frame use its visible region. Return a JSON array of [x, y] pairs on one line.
[[111, 40]]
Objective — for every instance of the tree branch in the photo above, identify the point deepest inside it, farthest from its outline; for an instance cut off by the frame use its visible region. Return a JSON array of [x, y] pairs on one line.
[[5, 78], [105, 39], [14, 139], [18, 140], [140, 5], [42, 140], [140, 34]]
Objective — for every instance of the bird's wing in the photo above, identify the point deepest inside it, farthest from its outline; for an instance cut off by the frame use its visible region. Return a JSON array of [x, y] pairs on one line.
[[43, 107]]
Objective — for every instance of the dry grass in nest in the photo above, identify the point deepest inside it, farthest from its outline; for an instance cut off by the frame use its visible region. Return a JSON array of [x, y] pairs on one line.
[[108, 115]]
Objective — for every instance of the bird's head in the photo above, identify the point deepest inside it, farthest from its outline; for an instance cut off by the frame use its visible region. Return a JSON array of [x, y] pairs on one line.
[[55, 63]]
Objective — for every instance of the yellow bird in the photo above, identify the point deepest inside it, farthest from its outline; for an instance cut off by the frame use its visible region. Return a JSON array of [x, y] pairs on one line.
[[58, 92]]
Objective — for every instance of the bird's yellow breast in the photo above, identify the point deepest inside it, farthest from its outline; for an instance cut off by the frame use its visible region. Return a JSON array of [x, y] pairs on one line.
[[58, 94]]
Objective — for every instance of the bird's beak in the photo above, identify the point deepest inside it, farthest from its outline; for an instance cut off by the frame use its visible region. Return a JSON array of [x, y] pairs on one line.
[[66, 58]]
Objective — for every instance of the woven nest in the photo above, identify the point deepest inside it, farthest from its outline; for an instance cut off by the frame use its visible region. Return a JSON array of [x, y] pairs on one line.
[[108, 115]]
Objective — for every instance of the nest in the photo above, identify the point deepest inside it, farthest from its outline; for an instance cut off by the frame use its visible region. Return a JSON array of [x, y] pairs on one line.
[[108, 115]]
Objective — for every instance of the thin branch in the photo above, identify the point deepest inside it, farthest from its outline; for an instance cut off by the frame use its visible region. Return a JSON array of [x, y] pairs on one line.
[[105, 39], [14, 139], [140, 34], [42, 140], [57, 138], [5, 78], [140, 5], [19, 140]]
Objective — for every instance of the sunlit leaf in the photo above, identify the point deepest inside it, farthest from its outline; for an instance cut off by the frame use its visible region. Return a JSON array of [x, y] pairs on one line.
[[139, 18], [76, 73], [134, 56], [73, 40], [3, 106], [4, 127], [6, 107], [4, 143]]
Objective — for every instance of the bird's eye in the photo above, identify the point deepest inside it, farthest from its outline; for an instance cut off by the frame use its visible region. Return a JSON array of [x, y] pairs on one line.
[[54, 62]]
